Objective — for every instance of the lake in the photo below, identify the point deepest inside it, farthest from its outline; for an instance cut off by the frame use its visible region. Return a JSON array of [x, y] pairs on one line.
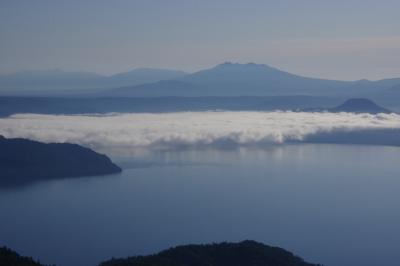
[[332, 204]]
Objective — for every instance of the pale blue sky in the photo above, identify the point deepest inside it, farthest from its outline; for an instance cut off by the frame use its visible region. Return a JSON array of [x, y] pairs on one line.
[[342, 39]]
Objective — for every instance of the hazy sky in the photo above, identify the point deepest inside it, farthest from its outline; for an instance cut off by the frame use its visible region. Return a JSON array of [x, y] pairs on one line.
[[342, 39]]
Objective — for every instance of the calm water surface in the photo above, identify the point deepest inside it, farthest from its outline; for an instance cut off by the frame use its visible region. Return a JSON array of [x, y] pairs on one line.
[[332, 204]]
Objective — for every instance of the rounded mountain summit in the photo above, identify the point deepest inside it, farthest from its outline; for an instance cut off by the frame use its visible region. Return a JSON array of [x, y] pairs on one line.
[[360, 105]]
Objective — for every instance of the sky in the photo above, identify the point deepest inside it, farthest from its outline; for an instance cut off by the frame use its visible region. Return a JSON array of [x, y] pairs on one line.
[[343, 39]]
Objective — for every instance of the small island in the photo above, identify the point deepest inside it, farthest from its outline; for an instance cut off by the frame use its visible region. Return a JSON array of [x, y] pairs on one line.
[[23, 161], [245, 253], [360, 105]]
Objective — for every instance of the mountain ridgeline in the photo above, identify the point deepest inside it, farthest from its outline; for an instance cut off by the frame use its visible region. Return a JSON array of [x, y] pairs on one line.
[[224, 80], [24, 161], [246, 253], [231, 79], [57, 82]]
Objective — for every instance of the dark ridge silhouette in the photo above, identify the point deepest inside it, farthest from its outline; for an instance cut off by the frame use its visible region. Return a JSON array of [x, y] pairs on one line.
[[360, 105], [49, 105], [9, 257], [23, 161], [246, 253]]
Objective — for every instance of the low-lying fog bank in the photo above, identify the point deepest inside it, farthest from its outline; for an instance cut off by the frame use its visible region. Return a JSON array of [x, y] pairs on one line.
[[211, 128]]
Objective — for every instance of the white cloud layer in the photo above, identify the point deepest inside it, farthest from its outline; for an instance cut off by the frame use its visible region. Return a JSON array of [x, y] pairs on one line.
[[187, 128]]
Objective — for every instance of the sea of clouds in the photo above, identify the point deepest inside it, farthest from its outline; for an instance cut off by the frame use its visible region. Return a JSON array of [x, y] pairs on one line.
[[169, 130]]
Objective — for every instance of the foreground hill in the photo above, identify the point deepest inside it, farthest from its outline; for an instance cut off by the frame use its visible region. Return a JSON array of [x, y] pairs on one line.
[[360, 105], [12, 258], [23, 161], [246, 253]]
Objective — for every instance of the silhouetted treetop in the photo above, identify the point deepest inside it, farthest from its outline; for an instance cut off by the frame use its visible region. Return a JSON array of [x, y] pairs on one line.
[[246, 253]]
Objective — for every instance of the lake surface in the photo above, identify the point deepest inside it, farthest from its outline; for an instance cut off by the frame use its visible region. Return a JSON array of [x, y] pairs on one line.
[[332, 204]]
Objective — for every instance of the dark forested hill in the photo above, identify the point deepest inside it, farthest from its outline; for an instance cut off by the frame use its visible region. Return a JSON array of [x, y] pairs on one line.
[[246, 253], [23, 161], [12, 258]]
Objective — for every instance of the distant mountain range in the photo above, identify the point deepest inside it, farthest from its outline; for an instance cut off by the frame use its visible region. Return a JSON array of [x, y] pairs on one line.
[[53, 81], [224, 80], [232, 79]]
